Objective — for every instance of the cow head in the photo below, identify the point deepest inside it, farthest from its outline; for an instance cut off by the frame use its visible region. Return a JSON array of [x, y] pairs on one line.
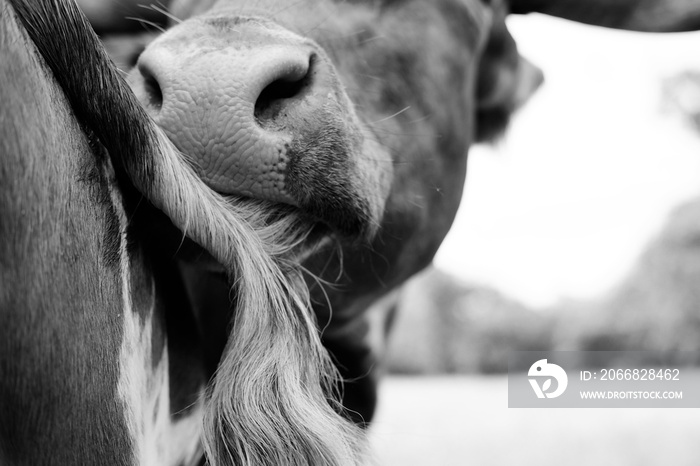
[[358, 114], [316, 104]]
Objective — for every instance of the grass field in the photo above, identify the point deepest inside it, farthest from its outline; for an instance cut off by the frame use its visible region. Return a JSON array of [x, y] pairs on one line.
[[465, 421]]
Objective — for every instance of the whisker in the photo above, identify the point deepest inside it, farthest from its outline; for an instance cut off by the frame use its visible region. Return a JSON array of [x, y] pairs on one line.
[[371, 76], [160, 8], [392, 116], [372, 39], [288, 7], [147, 22], [318, 26]]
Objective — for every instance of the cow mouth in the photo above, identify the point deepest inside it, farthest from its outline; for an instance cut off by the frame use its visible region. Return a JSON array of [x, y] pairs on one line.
[[312, 232], [333, 215], [316, 230]]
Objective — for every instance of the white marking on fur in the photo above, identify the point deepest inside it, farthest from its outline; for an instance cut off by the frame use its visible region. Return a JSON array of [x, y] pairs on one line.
[[144, 389], [144, 392], [184, 437], [134, 357]]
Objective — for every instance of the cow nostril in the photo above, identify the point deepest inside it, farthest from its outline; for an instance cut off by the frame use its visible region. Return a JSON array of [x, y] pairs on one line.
[[275, 95], [154, 93]]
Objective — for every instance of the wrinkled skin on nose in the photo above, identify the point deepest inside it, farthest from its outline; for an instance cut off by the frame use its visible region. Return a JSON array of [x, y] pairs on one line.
[[261, 113]]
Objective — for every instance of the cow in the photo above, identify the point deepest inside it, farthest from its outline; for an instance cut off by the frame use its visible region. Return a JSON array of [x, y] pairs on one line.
[[154, 270]]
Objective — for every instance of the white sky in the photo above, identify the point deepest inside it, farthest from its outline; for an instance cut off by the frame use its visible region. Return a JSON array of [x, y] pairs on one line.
[[589, 171]]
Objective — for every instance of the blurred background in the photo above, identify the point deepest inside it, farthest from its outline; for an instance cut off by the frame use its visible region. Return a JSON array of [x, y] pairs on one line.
[[580, 230]]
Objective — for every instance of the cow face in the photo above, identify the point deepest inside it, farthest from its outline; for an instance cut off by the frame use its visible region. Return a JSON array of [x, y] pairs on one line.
[[357, 113]]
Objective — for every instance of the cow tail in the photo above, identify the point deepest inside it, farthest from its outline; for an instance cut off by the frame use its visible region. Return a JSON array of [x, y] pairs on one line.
[[268, 404]]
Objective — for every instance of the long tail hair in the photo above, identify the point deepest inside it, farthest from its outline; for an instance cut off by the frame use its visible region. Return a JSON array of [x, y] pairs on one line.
[[269, 402]]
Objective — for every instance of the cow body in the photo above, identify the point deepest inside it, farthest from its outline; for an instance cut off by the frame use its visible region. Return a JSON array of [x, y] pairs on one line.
[[32, 416], [84, 359]]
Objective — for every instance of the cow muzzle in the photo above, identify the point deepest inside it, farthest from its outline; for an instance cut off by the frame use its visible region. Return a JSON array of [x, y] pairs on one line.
[[261, 113]]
